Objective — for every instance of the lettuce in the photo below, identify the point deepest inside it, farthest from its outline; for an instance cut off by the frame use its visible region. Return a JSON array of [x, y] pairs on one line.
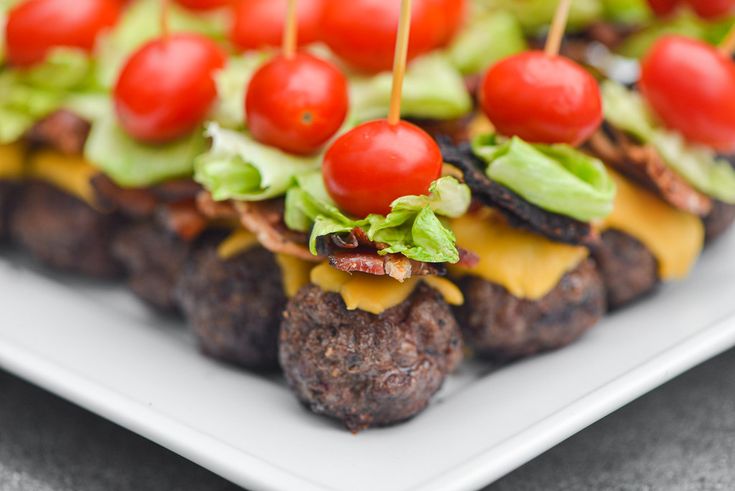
[[238, 167], [232, 83], [30, 94], [140, 23], [412, 228], [630, 12], [433, 89], [486, 40], [558, 178], [131, 163], [536, 15], [698, 165]]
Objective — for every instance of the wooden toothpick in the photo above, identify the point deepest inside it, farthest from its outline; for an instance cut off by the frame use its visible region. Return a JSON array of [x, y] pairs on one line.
[[165, 28], [291, 30], [399, 62], [727, 46], [558, 26]]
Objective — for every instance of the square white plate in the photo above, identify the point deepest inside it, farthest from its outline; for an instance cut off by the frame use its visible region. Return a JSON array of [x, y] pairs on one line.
[[96, 346]]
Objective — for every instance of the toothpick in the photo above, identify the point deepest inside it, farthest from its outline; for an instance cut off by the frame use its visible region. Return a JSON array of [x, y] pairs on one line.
[[727, 46], [165, 29], [558, 26], [291, 31], [399, 62]]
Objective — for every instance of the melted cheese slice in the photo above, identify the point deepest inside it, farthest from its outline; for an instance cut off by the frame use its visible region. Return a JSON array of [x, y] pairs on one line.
[[11, 161], [376, 294], [674, 237], [69, 173], [295, 273], [526, 264], [238, 242], [480, 125]]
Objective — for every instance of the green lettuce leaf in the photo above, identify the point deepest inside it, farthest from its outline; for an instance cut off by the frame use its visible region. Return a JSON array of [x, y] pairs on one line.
[[412, 228], [698, 165], [629, 12], [232, 82], [558, 178], [131, 163], [433, 89], [487, 39], [238, 167], [685, 24], [140, 23], [536, 15], [30, 94]]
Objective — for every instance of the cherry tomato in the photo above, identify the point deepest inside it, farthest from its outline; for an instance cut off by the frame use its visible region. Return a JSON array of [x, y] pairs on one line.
[[369, 167], [542, 99], [259, 23], [296, 104], [712, 9], [167, 87], [454, 12], [664, 7], [691, 87], [34, 27], [363, 32], [203, 4]]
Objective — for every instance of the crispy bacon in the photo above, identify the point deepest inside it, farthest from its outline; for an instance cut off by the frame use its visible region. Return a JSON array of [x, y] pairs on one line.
[[396, 266], [518, 211], [184, 219], [62, 131], [265, 222], [643, 164], [467, 259]]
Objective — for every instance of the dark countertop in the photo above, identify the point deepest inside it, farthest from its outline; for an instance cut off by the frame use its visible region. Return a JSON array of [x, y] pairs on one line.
[[679, 437]]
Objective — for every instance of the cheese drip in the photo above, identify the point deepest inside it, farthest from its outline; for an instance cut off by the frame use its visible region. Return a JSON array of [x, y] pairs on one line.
[[674, 237], [295, 273], [526, 264], [11, 161], [236, 243], [376, 294], [72, 174]]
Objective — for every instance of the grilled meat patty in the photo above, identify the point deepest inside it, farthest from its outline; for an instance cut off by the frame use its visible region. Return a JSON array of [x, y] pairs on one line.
[[502, 327], [8, 191], [363, 369], [153, 258], [234, 306], [65, 233]]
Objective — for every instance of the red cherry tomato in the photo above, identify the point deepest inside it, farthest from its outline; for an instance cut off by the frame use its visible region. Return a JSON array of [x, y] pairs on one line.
[[369, 167], [364, 32], [204, 4], [664, 7], [167, 86], [712, 9], [691, 87], [34, 27], [296, 104], [542, 99], [454, 12], [259, 23]]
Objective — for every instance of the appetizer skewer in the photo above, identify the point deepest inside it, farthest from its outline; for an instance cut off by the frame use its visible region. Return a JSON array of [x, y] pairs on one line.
[[371, 339], [535, 287]]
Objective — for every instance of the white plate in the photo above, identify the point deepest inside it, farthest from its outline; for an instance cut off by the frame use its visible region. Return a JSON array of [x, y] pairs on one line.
[[97, 347]]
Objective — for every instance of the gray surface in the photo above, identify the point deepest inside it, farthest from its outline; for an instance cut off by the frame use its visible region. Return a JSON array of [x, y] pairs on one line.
[[680, 437]]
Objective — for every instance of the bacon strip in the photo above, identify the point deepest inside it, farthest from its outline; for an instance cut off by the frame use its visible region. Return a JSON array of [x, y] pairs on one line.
[[184, 219], [261, 220], [519, 212], [396, 266], [643, 164], [62, 131]]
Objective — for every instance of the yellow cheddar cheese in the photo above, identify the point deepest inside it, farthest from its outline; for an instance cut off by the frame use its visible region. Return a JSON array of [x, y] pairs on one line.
[[526, 264], [12, 158], [72, 174], [236, 243], [674, 237], [295, 273], [376, 294]]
